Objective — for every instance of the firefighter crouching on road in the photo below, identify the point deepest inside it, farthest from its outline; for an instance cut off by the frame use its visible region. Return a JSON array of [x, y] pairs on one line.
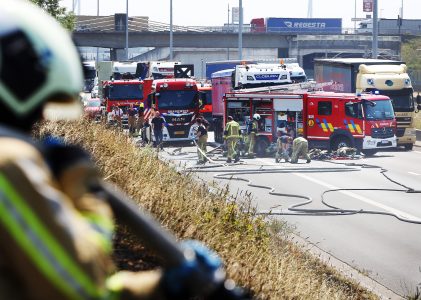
[[300, 149], [232, 136], [202, 139], [55, 233], [282, 146], [252, 129]]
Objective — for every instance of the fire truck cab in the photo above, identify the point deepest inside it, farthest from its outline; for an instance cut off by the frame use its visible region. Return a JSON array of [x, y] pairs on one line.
[[178, 101], [327, 120]]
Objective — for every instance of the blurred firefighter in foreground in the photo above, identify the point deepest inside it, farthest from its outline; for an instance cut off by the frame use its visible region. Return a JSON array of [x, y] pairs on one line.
[[55, 231], [232, 136], [300, 149]]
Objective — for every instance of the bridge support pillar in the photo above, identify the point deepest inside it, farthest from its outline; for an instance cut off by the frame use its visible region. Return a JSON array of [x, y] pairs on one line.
[[117, 54]]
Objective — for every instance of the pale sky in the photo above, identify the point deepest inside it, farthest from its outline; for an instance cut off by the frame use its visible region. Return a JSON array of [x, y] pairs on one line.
[[215, 12]]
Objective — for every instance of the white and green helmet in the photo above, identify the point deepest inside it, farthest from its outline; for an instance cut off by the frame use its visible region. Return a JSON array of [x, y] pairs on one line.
[[38, 62]]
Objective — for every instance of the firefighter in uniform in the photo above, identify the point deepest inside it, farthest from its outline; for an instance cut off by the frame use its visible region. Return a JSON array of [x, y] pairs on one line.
[[55, 233], [132, 112], [282, 147], [202, 139], [140, 118], [232, 136], [299, 149], [252, 132]]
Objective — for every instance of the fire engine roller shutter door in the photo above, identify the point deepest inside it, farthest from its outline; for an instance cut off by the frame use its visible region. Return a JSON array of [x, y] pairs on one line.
[[292, 103]]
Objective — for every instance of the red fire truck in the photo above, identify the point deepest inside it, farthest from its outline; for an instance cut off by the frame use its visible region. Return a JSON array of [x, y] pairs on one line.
[[177, 99], [326, 120], [122, 93]]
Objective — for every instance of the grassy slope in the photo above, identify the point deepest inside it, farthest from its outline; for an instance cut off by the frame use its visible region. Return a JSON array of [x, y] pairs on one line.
[[271, 266]]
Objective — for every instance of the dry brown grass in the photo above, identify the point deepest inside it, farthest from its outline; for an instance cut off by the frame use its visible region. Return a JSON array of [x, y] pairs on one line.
[[272, 266]]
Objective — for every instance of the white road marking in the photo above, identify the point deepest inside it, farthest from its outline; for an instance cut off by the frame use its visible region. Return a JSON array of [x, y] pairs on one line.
[[392, 210], [413, 173]]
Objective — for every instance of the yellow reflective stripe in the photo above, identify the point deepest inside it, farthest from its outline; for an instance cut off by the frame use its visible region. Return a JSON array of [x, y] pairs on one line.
[[52, 259], [323, 127], [358, 129], [103, 221], [104, 229], [351, 128], [330, 127]]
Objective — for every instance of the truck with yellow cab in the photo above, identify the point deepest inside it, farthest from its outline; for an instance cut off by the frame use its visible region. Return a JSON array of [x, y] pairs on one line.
[[387, 77]]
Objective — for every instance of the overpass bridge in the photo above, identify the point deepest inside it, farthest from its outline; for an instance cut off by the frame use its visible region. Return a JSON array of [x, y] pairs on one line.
[[109, 32]]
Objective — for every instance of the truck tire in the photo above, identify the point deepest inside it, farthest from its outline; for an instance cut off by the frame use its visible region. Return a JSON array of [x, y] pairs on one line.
[[339, 142], [369, 152], [262, 144], [408, 147]]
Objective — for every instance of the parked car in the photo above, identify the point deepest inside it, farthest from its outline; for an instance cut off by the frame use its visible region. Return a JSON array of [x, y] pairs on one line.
[[94, 92], [93, 109]]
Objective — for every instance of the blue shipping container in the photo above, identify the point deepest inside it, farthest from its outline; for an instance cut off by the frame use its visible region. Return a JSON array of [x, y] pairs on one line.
[[304, 25]]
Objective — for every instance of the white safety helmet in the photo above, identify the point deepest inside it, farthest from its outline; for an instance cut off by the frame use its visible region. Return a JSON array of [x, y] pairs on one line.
[[39, 64], [256, 117]]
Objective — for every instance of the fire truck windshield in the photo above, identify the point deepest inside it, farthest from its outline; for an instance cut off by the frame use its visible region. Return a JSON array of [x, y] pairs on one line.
[[125, 92], [177, 99], [403, 100], [382, 110], [208, 97]]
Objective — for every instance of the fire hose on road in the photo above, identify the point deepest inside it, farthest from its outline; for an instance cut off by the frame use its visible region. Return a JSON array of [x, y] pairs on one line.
[[298, 208]]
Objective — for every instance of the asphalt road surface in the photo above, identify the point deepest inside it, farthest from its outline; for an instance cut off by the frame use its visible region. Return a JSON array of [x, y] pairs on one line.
[[376, 243]]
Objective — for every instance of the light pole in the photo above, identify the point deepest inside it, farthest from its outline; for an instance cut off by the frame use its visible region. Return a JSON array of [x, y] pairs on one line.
[[97, 48], [375, 30], [127, 30], [171, 33], [355, 16], [229, 29], [402, 10], [240, 31]]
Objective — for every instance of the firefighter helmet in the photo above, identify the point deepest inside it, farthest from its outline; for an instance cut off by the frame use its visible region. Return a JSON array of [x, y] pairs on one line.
[[256, 117], [39, 64]]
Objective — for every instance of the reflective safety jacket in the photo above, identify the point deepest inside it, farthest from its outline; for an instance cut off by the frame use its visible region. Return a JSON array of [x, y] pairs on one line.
[[232, 129], [254, 126], [54, 246]]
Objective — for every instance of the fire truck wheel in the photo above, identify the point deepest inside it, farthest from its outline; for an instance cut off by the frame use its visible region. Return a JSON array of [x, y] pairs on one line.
[[369, 152], [408, 147], [261, 145], [340, 142]]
